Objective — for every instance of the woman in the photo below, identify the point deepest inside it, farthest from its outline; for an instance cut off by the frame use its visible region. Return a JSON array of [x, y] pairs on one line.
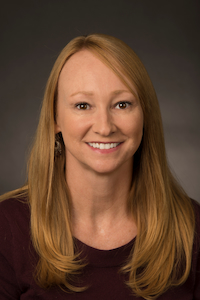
[[107, 219]]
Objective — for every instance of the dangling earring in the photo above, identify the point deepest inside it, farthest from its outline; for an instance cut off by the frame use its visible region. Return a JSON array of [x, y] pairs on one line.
[[57, 148]]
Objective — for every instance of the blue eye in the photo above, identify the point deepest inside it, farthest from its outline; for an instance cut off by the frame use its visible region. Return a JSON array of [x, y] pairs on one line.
[[123, 105], [82, 106]]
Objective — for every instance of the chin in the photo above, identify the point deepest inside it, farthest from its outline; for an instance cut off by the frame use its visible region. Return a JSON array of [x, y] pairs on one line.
[[105, 169]]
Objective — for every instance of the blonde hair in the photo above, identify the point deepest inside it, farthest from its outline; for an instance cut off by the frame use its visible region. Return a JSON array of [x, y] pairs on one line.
[[162, 252]]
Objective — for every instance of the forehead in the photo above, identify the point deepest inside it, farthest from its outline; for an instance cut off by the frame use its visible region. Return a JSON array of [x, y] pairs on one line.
[[82, 65], [85, 70]]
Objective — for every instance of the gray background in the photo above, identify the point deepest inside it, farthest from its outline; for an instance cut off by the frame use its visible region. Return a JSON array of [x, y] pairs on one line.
[[165, 35]]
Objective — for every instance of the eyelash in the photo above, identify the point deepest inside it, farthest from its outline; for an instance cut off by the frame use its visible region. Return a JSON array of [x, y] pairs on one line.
[[78, 106]]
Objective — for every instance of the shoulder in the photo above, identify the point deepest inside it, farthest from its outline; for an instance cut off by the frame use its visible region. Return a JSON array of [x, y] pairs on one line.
[[196, 204], [13, 207], [14, 217], [196, 207], [196, 243], [17, 255], [14, 229]]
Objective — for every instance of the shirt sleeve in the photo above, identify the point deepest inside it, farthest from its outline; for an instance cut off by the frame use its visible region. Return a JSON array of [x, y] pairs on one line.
[[9, 288]]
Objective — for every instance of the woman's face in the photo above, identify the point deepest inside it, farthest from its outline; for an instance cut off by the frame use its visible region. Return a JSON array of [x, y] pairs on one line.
[[100, 119]]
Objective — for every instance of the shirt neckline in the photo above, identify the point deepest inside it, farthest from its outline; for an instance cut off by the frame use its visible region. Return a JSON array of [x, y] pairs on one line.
[[104, 258]]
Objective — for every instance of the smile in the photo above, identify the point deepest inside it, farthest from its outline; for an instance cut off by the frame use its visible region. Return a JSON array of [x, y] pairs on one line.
[[103, 145]]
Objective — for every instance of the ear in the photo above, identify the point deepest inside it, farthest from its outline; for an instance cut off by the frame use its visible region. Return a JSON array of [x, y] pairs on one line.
[[57, 128]]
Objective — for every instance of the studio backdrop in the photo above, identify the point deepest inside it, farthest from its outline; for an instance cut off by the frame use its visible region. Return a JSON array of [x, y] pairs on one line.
[[164, 34]]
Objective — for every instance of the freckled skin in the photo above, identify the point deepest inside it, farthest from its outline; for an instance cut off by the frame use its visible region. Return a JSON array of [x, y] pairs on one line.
[[95, 106]]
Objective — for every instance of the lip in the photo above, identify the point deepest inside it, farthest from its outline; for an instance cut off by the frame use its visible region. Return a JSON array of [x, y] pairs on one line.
[[110, 142], [105, 151]]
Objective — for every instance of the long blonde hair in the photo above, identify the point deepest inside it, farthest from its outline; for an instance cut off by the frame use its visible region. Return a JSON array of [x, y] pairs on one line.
[[161, 256]]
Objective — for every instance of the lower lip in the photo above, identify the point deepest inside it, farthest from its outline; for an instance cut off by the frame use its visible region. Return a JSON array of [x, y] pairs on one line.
[[105, 151]]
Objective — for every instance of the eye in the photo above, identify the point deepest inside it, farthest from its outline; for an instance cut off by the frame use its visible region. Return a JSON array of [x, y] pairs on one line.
[[122, 105], [83, 106]]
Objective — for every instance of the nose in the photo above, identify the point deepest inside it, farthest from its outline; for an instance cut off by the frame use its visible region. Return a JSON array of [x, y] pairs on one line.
[[103, 123]]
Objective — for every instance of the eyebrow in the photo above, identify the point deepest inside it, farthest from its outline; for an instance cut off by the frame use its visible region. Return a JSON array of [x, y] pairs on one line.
[[90, 93]]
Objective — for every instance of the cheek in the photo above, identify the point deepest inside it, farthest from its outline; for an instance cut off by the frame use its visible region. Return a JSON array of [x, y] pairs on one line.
[[73, 128], [135, 126]]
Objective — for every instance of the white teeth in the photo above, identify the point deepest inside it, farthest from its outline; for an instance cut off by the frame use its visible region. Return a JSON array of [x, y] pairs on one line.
[[104, 146]]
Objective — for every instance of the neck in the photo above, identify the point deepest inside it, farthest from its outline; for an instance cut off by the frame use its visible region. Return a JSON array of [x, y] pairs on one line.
[[99, 215], [94, 194]]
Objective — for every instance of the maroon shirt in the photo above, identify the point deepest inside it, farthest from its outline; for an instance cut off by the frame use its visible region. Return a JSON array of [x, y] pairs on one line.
[[18, 260]]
